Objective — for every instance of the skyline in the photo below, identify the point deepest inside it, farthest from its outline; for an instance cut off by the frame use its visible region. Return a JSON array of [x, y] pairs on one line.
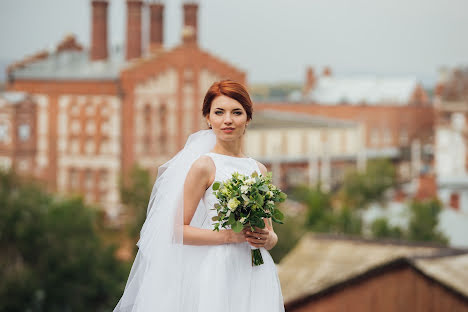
[[389, 38]]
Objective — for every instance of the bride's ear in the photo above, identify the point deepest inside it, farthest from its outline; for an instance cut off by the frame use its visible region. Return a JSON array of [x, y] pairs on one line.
[[208, 123]]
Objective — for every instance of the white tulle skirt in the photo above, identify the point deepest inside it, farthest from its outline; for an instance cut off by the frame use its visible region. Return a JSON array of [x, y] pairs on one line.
[[222, 278]]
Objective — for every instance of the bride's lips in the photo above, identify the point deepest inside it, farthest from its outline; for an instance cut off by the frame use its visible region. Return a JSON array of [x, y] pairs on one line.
[[227, 130]]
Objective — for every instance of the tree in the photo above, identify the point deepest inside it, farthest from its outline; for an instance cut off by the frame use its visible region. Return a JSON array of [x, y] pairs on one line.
[[381, 228], [319, 214], [424, 217], [135, 195], [51, 258], [360, 189]]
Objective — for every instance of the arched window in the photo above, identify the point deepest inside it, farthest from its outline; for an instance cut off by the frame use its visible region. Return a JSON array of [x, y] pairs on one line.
[[163, 127], [147, 128]]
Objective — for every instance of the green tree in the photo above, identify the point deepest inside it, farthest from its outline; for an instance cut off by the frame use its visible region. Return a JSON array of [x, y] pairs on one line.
[[360, 189], [51, 258], [319, 215], [381, 228], [135, 194], [424, 217]]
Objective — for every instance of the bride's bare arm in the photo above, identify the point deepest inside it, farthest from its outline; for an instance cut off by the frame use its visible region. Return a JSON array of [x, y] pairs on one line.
[[199, 178]]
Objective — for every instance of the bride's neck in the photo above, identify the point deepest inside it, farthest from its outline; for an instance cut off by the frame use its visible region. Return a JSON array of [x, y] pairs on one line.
[[228, 148]]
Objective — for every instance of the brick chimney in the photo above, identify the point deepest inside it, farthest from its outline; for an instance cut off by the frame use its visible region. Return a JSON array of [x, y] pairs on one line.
[[134, 15], [156, 25], [190, 30], [327, 72], [99, 30], [310, 80]]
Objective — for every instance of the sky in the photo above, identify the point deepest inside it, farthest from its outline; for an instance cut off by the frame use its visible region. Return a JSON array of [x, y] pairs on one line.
[[273, 40]]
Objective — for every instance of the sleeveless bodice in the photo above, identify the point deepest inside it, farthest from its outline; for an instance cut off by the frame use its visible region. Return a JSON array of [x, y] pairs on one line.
[[225, 167], [225, 279]]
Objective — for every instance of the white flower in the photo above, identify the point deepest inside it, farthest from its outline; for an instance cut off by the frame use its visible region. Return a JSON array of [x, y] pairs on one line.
[[244, 188], [228, 213], [224, 191], [272, 187], [233, 203], [270, 193], [250, 181], [270, 202], [242, 220]]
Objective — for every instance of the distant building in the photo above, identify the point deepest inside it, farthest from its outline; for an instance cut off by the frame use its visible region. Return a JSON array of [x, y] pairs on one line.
[[338, 274], [18, 131], [99, 112], [305, 149], [396, 114], [451, 143]]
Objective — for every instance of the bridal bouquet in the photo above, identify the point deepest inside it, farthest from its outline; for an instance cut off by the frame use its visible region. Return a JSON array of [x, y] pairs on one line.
[[244, 201]]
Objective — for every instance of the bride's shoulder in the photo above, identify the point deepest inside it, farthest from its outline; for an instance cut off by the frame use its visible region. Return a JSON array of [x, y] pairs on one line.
[[203, 164], [263, 169]]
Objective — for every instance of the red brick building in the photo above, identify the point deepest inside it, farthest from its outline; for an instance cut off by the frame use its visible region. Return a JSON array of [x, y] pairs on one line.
[[396, 113], [98, 112]]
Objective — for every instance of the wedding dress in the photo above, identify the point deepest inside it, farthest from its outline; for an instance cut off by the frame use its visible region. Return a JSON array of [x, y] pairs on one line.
[[172, 277], [227, 280]]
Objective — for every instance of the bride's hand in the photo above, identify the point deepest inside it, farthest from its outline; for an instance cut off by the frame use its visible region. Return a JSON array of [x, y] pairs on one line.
[[259, 238], [233, 237]]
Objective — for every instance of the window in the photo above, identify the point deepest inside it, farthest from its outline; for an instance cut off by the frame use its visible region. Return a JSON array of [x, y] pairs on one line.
[[3, 132], [24, 132], [387, 137], [88, 179], [73, 179], [404, 137], [374, 137]]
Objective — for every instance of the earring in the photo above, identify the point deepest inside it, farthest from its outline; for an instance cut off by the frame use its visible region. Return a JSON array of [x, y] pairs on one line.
[[209, 125]]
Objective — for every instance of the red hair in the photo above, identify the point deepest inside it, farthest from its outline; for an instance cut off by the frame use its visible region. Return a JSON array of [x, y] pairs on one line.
[[231, 89]]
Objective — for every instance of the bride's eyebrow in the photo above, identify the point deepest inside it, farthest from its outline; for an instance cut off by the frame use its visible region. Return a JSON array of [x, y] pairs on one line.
[[232, 110]]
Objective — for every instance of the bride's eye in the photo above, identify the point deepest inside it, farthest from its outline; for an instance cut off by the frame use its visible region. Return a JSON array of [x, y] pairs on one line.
[[220, 112], [238, 113]]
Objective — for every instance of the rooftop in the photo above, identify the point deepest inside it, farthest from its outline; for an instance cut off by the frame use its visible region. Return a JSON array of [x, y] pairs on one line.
[[318, 263], [366, 89]]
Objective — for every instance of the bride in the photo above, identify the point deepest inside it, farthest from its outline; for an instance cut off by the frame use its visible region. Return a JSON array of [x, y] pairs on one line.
[[182, 265]]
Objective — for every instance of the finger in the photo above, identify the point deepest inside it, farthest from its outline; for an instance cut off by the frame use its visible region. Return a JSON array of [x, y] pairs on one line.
[[259, 230], [256, 236], [256, 244]]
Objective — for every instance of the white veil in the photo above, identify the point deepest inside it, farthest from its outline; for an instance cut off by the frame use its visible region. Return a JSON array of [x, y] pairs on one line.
[[156, 279]]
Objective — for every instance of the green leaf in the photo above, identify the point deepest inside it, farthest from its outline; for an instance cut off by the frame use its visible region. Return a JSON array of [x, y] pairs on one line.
[[237, 227], [216, 185], [278, 215], [260, 201], [217, 206], [231, 219], [264, 188], [215, 218], [283, 196], [254, 174], [277, 221]]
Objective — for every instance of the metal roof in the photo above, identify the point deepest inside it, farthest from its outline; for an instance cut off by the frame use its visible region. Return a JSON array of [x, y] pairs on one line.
[[72, 65], [367, 89]]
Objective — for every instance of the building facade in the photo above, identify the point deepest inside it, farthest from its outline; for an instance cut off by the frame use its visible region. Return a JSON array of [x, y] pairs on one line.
[[98, 112]]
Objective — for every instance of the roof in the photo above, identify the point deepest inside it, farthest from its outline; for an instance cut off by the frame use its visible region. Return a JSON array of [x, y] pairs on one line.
[[451, 271], [319, 263], [358, 90], [71, 65], [268, 118]]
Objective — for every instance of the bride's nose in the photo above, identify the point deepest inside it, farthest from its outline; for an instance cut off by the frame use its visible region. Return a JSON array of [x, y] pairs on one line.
[[227, 119]]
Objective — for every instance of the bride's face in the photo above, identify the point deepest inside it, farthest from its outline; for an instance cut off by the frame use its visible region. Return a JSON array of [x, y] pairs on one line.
[[227, 117]]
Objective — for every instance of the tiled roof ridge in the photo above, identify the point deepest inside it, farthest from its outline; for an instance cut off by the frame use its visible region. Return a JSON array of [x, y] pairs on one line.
[[386, 241]]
